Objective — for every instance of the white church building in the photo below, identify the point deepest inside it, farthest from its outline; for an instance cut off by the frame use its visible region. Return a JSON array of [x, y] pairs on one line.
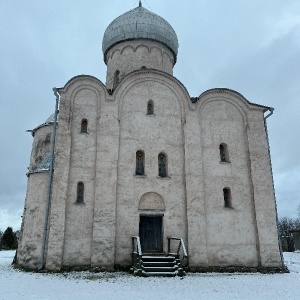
[[138, 160]]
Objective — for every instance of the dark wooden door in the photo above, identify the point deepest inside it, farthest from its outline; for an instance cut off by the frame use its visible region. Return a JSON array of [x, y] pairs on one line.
[[151, 233]]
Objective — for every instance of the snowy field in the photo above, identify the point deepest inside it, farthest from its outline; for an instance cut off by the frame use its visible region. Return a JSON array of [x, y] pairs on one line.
[[16, 284]]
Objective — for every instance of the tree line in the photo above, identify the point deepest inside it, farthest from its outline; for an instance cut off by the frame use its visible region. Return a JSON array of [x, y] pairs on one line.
[[8, 239], [285, 227]]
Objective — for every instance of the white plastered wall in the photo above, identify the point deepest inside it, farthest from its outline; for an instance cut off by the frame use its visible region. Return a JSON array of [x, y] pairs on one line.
[[161, 132]]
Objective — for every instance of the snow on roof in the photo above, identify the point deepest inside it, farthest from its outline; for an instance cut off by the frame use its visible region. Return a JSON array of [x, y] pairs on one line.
[[43, 166]]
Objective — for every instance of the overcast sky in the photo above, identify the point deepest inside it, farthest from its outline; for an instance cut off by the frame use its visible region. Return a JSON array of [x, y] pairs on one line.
[[251, 46]]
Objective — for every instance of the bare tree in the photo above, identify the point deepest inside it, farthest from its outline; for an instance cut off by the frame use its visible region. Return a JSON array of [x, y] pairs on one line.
[[286, 226]]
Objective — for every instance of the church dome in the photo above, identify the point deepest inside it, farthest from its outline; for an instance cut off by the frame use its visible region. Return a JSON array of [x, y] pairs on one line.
[[140, 23]]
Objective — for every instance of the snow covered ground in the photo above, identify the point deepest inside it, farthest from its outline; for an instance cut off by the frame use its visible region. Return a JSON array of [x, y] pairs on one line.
[[16, 284]]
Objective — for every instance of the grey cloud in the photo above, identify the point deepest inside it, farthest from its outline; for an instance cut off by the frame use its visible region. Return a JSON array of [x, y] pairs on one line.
[[234, 44]]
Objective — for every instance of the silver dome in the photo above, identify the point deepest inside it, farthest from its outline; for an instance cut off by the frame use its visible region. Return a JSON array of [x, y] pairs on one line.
[[139, 23]]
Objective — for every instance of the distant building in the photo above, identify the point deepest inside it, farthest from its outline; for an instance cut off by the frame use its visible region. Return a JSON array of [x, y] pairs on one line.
[[138, 156]]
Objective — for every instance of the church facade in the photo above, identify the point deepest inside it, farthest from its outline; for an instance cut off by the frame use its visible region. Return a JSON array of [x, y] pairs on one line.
[[138, 156]]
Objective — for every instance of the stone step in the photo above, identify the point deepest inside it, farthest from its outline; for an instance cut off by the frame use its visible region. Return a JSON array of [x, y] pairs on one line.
[[159, 264], [158, 258], [162, 274], [160, 269]]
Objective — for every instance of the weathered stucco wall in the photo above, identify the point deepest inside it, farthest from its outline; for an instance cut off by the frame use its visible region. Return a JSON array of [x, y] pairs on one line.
[[263, 191], [194, 179], [153, 134], [133, 55], [97, 233], [30, 246], [79, 216], [63, 226], [40, 146], [188, 202], [103, 245], [231, 235]]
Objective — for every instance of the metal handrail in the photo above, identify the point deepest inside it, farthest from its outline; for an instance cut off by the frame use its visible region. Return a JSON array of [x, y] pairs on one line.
[[181, 245], [137, 250]]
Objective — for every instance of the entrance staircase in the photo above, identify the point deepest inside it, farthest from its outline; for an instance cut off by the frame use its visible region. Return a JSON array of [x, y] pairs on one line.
[[148, 265]]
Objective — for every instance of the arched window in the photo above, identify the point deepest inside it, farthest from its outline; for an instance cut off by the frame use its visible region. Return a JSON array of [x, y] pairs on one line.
[[116, 78], [162, 165], [80, 192], [224, 156], [150, 107], [227, 198], [84, 126], [140, 163]]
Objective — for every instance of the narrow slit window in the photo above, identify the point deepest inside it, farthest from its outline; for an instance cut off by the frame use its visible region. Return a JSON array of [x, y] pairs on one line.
[[224, 156], [162, 165], [140, 163], [227, 198], [150, 107], [80, 192], [116, 78], [84, 126]]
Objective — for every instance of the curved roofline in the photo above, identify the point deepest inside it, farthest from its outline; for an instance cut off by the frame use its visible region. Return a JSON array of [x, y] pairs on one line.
[[133, 39], [237, 94], [150, 70], [164, 78], [49, 122], [38, 127], [81, 76]]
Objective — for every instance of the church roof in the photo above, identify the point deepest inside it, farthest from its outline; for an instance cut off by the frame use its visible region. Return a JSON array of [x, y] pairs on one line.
[[139, 23], [48, 122], [50, 119]]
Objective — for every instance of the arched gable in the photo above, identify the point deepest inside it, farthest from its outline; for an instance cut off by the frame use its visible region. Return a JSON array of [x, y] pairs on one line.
[[223, 118], [75, 86], [83, 80], [211, 96], [230, 96], [148, 75]]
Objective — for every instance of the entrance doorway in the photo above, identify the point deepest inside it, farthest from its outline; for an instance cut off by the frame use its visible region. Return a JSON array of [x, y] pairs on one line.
[[150, 232]]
